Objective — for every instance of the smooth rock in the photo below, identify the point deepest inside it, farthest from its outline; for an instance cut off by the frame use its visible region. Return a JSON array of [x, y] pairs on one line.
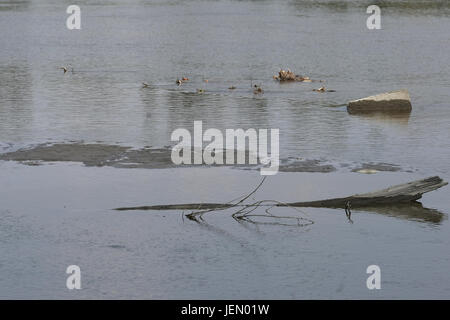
[[390, 102]]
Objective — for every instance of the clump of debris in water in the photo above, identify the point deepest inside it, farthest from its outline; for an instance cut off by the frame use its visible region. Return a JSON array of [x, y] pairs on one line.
[[288, 75]]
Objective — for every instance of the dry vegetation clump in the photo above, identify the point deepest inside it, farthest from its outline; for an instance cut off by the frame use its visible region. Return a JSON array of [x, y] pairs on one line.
[[288, 75]]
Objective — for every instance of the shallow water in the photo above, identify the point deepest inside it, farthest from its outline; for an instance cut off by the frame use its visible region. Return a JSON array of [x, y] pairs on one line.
[[56, 215], [59, 214]]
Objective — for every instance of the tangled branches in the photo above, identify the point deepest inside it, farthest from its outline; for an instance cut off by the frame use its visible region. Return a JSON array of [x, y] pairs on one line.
[[245, 213]]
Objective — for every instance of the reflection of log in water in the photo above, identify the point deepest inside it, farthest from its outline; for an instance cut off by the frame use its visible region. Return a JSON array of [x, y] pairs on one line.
[[410, 211], [399, 201]]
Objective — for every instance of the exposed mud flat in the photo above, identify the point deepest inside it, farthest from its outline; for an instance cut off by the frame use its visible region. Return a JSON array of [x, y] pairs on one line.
[[93, 155], [100, 155], [378, 167], [305, 165]]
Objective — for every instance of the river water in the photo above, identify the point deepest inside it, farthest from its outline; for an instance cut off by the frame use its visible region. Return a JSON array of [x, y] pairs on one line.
[[57, 214]]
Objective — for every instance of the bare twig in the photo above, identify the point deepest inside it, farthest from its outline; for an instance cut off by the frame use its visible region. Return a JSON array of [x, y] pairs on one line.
[[198, 215]]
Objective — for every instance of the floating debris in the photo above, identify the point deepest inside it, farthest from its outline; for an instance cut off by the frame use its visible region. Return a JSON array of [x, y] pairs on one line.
[[66, 68], [288, 75], [367, 171], [258, 90], [232, 88], [322, 89], [180, 81], [145, 85], [200, 91]]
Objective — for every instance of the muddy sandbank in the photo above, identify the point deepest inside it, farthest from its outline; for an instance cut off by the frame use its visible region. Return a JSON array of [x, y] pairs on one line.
[[99, 155]]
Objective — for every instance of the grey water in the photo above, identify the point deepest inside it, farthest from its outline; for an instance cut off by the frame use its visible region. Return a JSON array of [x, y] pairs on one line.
[[58, 214]]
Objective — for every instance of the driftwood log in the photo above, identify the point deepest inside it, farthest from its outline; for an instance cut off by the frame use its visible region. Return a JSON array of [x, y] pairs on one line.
[[399, 194]]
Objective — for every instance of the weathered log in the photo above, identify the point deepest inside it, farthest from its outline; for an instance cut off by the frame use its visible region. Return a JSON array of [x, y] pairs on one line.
[[181, 206], [391, 102], [399, 194]]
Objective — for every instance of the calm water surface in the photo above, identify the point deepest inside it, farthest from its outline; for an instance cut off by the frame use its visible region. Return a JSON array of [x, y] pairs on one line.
[[55, 215]]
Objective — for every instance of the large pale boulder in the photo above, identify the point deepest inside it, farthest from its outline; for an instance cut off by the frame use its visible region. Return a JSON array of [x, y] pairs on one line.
[[393, 102]]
